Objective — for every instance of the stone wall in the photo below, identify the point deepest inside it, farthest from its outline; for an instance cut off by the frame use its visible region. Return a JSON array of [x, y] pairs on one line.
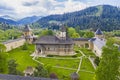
[[12, 44], [81, 43]]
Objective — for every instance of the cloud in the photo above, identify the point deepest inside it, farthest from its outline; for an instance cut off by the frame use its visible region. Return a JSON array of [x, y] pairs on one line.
[[23, 8], [30, 3]]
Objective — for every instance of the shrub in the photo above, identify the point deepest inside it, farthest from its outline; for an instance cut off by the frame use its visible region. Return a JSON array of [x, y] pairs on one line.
[[97, 61], [74, 56], [25, 46], [50, 56]]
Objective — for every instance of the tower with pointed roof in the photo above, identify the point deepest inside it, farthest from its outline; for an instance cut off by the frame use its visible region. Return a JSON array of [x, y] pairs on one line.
[[28, 34], [99, 34], [63, 32]]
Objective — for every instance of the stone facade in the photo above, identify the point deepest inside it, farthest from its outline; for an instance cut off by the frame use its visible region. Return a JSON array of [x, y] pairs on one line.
[[60, 49]]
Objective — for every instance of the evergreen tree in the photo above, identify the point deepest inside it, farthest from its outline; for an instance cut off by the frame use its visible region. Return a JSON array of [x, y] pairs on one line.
[[12, 67], [108, 68], [40, 71]]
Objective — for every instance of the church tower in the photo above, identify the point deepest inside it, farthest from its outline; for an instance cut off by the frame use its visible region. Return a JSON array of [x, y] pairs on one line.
[[28, 34], [63, 32], [99, 34]]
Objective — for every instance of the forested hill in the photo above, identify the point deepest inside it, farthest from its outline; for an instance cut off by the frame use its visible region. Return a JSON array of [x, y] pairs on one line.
[[105, 17]]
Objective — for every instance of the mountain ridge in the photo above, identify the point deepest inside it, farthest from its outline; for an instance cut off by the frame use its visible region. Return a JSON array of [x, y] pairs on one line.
[[26, 20], [102, 16]]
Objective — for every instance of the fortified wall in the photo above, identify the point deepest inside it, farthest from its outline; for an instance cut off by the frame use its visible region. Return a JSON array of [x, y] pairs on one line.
[[28, 37], [12, 44]]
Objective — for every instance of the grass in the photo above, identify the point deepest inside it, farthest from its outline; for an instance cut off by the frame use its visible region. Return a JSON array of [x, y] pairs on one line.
[[86, 65], [22, 57], [86, 76], [62, 67], [70, 63], [87, 52]]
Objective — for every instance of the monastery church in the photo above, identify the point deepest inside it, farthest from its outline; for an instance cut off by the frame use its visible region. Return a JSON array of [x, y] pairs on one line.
[[59, 44]]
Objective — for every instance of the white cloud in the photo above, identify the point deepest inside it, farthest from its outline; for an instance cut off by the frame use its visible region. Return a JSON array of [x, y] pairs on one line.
[[22, 8]]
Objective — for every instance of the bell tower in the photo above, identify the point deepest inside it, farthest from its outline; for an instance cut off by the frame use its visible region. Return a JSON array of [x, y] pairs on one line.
[[28, 34], [99, 34], [63, 32]]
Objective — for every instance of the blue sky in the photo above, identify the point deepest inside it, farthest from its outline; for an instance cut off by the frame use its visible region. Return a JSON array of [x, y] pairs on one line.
[[23, 8]]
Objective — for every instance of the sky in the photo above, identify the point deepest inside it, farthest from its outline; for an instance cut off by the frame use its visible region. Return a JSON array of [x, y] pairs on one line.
[[23, 8]]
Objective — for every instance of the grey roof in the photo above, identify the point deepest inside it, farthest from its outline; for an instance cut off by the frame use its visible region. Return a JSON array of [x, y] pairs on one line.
[[92, 39], [17, 77], [81, 39], [27, 28], [53, 40], [9, 41], [98, 32]]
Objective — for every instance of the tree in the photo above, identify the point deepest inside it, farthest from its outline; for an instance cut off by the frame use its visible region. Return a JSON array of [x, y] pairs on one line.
[[12, 67], [88, 34], [40, 71], [2, 48], [97, 61], [3, 59], [72, 33], [108, 68], [3, 63], [75, 35], [46, 32]]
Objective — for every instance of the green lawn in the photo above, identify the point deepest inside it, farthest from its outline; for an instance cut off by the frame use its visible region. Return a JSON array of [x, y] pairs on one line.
[[22, 57], [87, 52], [62, 67], [70, 63]]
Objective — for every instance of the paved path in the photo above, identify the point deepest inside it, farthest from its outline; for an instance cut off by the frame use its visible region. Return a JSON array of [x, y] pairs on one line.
[[79, 65], [60, 58], [94, 66], [64, 67], [87, 71], [37, 61]]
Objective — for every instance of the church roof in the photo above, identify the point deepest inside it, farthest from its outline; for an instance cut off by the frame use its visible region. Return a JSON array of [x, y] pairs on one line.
[[17, 77], [53, 40], [98, 32], [92, 39], [27, 28]]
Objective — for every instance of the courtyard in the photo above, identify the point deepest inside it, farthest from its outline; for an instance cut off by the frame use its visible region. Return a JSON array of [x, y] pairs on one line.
[[62, 66]]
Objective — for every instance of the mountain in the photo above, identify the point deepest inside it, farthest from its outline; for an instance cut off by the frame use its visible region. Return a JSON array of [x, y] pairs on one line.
[[106, 17], [8, 17], [28, 20], [8, 21]]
